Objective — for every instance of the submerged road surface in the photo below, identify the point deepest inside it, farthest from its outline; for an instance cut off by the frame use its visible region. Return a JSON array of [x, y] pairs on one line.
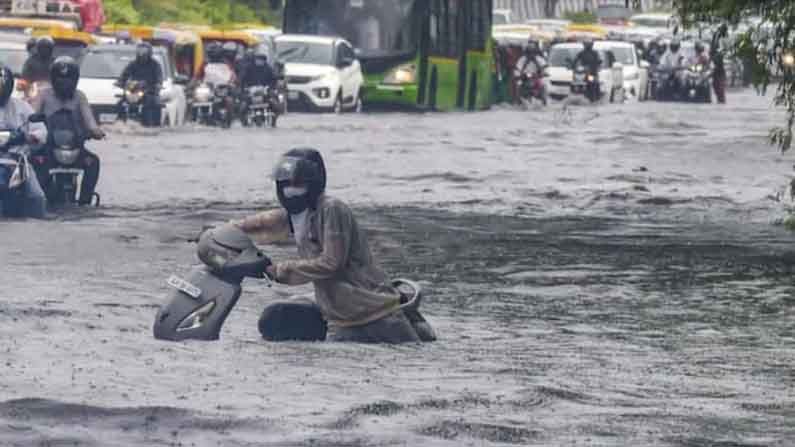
[[605, 276]]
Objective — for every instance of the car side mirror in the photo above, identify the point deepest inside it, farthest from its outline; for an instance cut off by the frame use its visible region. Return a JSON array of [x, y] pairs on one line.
[[181, 79], [37, 118]]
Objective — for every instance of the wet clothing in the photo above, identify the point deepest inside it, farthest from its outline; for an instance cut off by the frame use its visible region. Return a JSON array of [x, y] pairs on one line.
[[352, 293], [13, 116], [48, 104], [218, 73], [673, 60], [37, 69], [718, 73], [530, 65], [253, 74], [590, 59], [148, 72]]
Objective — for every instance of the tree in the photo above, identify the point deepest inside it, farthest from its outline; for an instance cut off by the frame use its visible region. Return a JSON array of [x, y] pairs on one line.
[[767, 46]]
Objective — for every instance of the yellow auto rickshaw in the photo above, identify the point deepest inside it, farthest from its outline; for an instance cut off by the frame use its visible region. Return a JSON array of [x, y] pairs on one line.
[[67, 42], [577, 32], [24, 24]]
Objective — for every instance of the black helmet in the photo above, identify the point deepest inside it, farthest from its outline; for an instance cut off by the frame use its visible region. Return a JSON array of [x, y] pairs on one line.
[[31, 45], [230, 50], [6, 84], [675, 45], [214, 52], [143, 52], [45, 47], [300, 168], [64, 74], [699, 47], [588, 43]]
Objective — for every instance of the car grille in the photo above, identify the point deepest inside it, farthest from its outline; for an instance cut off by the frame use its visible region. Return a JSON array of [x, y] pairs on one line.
[[299, 79], [561, 83]]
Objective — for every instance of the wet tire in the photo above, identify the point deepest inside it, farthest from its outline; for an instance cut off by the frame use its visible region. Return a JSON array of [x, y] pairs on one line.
[[292, 321], [358, 106]]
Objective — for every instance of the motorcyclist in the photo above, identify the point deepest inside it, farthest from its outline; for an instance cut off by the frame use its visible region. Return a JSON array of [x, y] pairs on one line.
[[14, 114], [37, 66], [674, 61], [530, 65], [700, 56], [145, 69], [217, 70], [352, 293], [589, 58], [257, 71], [654, 53], [64, 96]]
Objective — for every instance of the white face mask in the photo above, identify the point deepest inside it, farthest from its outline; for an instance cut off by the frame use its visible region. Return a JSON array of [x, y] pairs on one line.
[[293, 191]]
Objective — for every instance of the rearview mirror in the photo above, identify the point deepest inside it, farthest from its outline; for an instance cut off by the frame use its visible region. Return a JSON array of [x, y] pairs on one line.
[[37, 118]]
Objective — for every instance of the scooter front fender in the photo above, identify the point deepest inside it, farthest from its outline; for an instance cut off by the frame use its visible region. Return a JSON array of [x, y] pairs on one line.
[[185, 317]]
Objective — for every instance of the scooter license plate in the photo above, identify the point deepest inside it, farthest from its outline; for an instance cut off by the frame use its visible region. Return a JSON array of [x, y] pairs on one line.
[[107, 118], [184, 286]]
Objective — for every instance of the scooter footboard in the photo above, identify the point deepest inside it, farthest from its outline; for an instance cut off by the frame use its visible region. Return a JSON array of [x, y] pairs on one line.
[[196, 308]]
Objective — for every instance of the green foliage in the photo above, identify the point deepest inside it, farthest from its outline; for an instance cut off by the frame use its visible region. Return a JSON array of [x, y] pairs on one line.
[[584, 17], [763, 45], [205, 12]]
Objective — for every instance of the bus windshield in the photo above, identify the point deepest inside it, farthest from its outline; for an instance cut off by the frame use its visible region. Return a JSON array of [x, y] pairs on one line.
[[374, 27]]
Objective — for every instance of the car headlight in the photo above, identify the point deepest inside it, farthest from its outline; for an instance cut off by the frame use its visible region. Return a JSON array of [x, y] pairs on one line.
[[66, 156], [788, 60], [404, 74], [202, 93], [5, 136], [196, 318]]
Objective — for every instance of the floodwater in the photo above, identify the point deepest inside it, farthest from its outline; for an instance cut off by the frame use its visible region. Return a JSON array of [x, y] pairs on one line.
[[602, 276]]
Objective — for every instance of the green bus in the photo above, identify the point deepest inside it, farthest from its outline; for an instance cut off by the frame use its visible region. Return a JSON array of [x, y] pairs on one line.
[[426, 54]]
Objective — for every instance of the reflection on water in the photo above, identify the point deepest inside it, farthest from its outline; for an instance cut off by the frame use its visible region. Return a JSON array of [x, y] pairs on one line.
[[616, 283]]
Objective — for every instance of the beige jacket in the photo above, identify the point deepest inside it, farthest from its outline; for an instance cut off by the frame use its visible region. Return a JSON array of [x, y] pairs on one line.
[[349, 288]]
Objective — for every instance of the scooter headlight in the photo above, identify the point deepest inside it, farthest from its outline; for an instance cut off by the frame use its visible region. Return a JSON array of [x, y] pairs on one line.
[[788, 60], [590, 78], [202, 93], [66, 156], [133, 97], [197, 318]]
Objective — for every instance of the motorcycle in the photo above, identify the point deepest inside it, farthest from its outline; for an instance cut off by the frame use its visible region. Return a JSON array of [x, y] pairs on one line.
[[223, 105], [662, 83], [531, 87], [260, 107], [15, 172], [65, 148], [137, 103], [585, 83], [199, 304], [696, 84], [202, 104]]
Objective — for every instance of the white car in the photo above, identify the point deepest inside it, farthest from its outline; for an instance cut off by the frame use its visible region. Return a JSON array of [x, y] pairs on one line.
[[101, 68], [560, 73], [322, 73], [635, 70], [661, 21]]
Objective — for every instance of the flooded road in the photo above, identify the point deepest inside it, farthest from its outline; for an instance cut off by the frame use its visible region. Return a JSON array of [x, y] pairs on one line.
[[598, 276]]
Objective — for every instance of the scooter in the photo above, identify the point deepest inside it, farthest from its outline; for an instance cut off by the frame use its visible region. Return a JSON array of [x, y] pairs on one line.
[[15, 170], [199, 304], [139, 104], [532, 87], [585, 83], [260, 107], [696, 84]]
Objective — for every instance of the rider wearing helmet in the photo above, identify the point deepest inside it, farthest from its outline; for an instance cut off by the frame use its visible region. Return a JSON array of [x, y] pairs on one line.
[[532, 61], [352, 294], [700, 56], [146, 70], [673, 58], [64, 97], [14, 114], [217, 70], [256, 70], [37, 67], [588, 57]]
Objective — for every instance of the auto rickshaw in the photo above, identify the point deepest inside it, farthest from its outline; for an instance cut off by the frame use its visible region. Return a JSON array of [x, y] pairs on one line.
[[24, 24], [577, 32]]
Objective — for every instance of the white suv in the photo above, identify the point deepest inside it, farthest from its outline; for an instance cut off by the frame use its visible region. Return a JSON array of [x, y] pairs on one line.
[[322, 73]]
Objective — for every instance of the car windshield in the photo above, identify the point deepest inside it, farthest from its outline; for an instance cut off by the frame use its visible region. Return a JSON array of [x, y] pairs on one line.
[[613, 12], [625, 55], [305, 52], [13, 59], [110, 64], [374, 27], [562, 57], [499, 19]]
